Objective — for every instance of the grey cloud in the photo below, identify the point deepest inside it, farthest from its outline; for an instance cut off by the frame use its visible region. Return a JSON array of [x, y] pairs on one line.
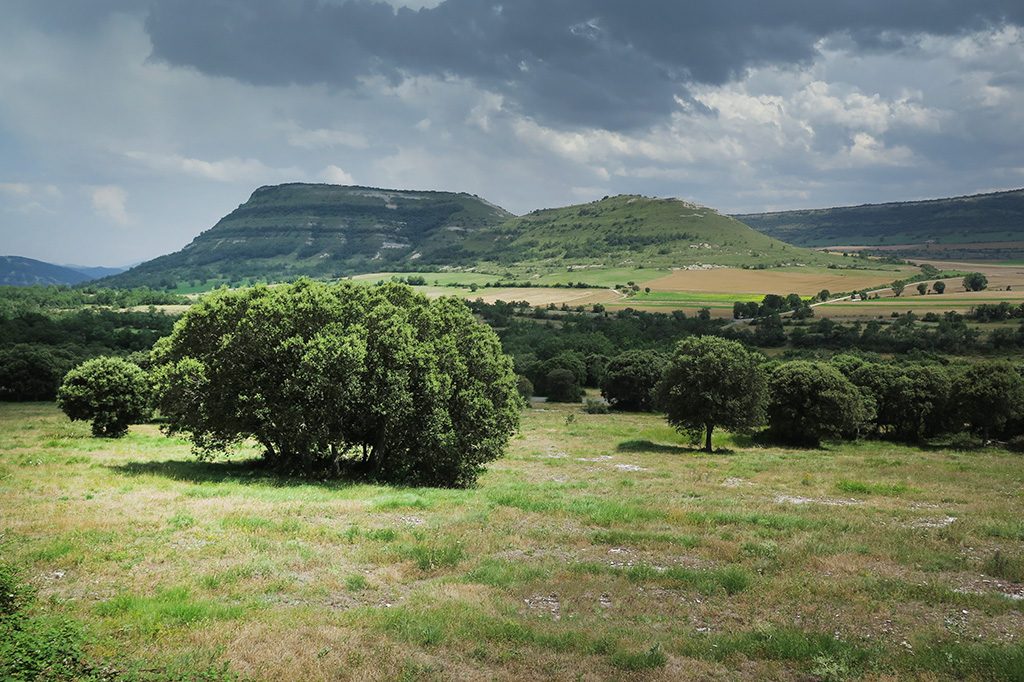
[[599, 63]]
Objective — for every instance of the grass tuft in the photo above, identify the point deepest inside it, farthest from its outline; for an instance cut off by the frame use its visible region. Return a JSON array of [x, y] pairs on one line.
[[861, 488], [167, 608]]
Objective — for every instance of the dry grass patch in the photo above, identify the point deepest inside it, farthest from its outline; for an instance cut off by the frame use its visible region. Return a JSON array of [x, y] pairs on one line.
[[559, 565]]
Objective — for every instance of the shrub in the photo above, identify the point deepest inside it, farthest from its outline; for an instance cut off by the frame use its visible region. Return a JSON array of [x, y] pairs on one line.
[[562, 386], [378, 381], [110, 392], [813, 400], [630, 379], [911, 402], [595, 406], [975, 281], [525, 388], [989, 396], [30, 372], [13, 593]]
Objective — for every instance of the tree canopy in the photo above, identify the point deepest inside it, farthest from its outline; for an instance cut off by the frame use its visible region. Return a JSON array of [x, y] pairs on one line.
[[630, 379], [328, 378], [989, 395], [975, 281], [709, 382], [811, 401], [110, 392]]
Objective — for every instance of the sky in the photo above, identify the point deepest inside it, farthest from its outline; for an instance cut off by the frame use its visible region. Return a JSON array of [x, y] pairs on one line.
[[127, 127]]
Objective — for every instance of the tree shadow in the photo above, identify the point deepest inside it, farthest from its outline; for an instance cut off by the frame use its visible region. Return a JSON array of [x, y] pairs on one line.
[[651, 446], [244, 472]]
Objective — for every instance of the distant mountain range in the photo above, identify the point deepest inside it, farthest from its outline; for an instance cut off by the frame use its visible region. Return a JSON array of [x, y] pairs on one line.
[[285, 231], [20, 272], [981, 226]]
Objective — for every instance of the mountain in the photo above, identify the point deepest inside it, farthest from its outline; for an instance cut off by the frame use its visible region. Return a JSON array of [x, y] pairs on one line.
[[985, 226], [284, 231], [95, 272], [630, 230], [22, 272]]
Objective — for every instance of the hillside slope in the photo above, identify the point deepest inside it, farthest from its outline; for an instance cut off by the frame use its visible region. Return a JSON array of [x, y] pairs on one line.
[[628, 230], [297, 229], [22, 272], [329, 231], [978, 226]]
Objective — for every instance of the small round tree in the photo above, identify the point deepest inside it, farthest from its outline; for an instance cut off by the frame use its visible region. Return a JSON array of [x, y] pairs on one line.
[[939, 287], [710, 382], [975, 281], [630, 379], [811, 401], [988, 395], [111, 392], [562, 386]]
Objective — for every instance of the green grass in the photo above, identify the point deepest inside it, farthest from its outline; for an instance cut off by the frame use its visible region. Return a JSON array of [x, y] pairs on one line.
[[564, 561], [167, 608], [862, 488]]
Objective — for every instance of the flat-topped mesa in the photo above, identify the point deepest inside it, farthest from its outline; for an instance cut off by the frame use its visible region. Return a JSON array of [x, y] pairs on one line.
[[320, 230]]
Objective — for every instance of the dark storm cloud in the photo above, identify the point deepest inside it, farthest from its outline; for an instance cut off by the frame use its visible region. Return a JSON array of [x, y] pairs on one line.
[[603, 63]]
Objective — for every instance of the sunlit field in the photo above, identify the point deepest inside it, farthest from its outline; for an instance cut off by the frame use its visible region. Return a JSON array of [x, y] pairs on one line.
[[602, 547]]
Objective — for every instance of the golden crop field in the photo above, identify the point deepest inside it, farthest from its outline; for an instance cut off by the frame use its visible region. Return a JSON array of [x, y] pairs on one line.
[[803, 281]]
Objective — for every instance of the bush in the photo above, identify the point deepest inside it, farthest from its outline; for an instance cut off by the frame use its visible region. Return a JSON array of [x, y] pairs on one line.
[[525, 388], [32, 372], [562, 386], [811, 401], [110, 392], [989, 396], [630, 379], [378, 381], [13, 593], [35, 647], [595, 406], [911, 402], [975, 281]]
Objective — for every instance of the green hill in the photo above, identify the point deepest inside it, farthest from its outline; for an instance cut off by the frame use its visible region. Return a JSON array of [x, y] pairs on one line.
[[629, 230], [22, 272], [290, 230], [978, 226], [285, 231]]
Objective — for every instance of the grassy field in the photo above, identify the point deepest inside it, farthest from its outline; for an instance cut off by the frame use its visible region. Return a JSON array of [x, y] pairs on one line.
[[806, 281], [602, 547]]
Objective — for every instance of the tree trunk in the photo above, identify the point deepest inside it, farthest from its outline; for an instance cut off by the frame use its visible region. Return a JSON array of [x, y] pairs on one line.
[[708, 428]]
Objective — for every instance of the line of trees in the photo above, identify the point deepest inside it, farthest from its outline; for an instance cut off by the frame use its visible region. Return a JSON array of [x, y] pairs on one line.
[[711, 382], [774, 304], [38, 347]]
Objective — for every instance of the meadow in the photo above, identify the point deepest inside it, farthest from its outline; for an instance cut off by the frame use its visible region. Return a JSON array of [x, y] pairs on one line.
[[601, 547]]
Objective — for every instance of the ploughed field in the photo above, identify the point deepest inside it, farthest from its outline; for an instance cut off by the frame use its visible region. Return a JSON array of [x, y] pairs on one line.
[[601, 547]]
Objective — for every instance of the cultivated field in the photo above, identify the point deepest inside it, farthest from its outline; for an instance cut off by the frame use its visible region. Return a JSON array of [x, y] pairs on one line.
[[602, 547], [803, 281], [1006, 283]]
